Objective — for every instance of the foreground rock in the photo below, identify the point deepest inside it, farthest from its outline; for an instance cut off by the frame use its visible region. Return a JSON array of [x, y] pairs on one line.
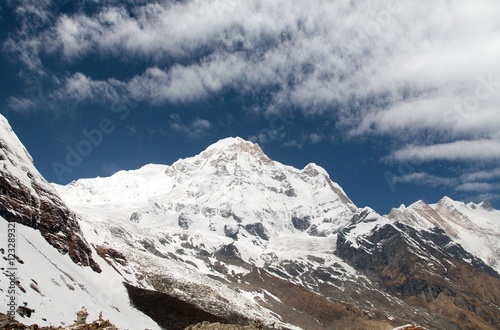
[[219, 326], [80, 324]]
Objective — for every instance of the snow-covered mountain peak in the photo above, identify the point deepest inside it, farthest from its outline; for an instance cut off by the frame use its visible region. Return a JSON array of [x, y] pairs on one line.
[[447, 202], [234, 148], [230, 187], [314, 169], [485, 205], [231, 143]]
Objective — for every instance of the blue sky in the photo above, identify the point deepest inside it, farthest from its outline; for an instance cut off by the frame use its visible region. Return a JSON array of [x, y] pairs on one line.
[[396, 101]]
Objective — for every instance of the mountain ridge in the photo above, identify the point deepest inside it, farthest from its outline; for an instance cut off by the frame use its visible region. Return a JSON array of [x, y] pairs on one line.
[[241, 237]]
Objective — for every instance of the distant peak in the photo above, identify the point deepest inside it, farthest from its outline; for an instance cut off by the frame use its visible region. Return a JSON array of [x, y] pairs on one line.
[[315, 169], [401, 207], [228, 142], [231, 143], [419, 203], [446, 201], [486, 205], [235, 145]]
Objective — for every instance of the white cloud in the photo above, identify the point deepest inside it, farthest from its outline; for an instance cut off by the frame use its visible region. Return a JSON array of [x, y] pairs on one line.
[[81, 88], [196, 129], [465, 185], [425, 179], [396, 69], [132, 129], [316, 138], [21, 105], [476, 187], [294, 144], [482, 175], [474, 150], [302, 139], [320, 57], [26, 45], [486, 197]]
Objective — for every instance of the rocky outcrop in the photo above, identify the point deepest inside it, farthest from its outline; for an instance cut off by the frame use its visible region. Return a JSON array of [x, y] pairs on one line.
[[426, 268], [184, 222], [231, 231], [109, 254], [301, 223], [135, 217], [257, 229], [99, 324], [26, 198], [221, 326], [168, 311]]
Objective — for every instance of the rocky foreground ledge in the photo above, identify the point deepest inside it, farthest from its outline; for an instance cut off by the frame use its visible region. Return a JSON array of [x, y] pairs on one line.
[[80, 324], [220, 326]]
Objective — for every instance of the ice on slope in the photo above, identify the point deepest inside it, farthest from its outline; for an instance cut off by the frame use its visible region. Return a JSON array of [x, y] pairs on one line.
[[57, 288]]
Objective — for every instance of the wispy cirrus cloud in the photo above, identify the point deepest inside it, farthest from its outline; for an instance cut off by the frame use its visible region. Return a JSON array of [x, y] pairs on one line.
[[473, 186], [490, 174], [197, 128], [465, 150], [426, 179], [477, 186], [426, 81], [21, 105]]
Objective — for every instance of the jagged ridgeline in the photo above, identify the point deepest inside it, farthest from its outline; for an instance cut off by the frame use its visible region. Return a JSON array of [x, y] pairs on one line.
[[231, 236]]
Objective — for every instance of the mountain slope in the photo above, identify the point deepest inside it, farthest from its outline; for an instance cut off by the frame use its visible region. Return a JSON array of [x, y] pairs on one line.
[[232, 183], [476, 227], [416, 261], [28, 199], [230, 235], [54, 271], [56, 288], [216, 224]]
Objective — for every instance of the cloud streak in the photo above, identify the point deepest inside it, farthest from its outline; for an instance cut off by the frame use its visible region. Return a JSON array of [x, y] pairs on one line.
[[196, 129], [473, 150], [427, 81], [426, 179]]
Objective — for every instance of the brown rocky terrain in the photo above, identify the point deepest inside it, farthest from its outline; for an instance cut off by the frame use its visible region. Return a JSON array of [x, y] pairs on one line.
[[205, 325], [26, 198], [99, 324], [466, 294]]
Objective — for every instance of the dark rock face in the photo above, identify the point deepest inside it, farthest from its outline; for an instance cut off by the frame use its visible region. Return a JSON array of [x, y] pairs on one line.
[[290, 192], [135, 217], [257, 229], [228, 213], [231, 231], [301, 223], [184, 222], [26, 198], [313, 230], [108, 254], [169, 312], [424, 267]]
